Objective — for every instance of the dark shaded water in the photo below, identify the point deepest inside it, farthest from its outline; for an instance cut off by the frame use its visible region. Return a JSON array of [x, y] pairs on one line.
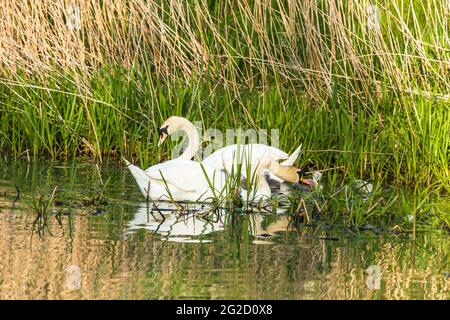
[[89, 249]]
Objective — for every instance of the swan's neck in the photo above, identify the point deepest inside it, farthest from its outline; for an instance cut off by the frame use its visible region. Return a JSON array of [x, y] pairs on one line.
[[193, 140], [286, 173]]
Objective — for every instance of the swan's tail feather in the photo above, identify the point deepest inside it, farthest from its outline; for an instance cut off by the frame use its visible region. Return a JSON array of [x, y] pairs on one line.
[[290, 161], [142, 179]]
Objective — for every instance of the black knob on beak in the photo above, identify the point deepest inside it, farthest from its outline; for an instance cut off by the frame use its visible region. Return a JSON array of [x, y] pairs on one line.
[[161, 131]]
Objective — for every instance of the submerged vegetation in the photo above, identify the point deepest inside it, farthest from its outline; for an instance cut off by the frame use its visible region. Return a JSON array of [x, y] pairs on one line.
[[364, 85]]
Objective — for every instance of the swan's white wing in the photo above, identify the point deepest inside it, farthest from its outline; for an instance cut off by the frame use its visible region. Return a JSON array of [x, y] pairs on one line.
[[290, 161], [185, 175], [256, 155], [275, 153], [256, 151], [214, 160], [231, 153]]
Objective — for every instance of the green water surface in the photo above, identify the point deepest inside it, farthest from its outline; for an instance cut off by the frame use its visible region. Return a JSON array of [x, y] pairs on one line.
[[99, 240]]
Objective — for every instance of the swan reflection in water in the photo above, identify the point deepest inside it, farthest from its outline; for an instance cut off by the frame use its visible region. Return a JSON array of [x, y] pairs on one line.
[[193, 221]]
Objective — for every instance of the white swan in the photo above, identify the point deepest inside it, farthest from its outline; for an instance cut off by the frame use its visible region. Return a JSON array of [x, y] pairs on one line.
[[186, 180], [229, 157], [179, 180]]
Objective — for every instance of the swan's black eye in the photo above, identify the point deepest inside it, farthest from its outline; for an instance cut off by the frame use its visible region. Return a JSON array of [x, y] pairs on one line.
[[300, 173], [161, 131]]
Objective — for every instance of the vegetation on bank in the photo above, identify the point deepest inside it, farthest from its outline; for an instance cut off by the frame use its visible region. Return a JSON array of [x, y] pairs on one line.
[[364, 85]]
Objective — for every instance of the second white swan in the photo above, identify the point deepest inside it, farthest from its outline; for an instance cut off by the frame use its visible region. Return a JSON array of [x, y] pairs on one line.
[[229, 157]]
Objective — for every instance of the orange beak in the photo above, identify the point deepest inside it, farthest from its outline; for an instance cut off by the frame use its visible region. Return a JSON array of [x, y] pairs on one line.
[[307, 182], [162, 138]]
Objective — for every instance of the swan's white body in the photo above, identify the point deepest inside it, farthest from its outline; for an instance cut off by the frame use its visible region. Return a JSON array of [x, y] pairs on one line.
[[179, 180], [186, 180], [250, 155]]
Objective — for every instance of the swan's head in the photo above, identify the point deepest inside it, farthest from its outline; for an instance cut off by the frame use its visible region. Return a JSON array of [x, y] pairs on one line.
[[296, 175], [303, 180], [169, 126]]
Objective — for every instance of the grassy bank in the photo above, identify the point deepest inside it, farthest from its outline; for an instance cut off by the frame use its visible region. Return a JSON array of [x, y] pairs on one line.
[[363, 85], [122, 116], [387, 147]]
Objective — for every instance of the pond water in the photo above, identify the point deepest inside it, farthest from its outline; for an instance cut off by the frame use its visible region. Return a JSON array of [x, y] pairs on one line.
[[107, 243]]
